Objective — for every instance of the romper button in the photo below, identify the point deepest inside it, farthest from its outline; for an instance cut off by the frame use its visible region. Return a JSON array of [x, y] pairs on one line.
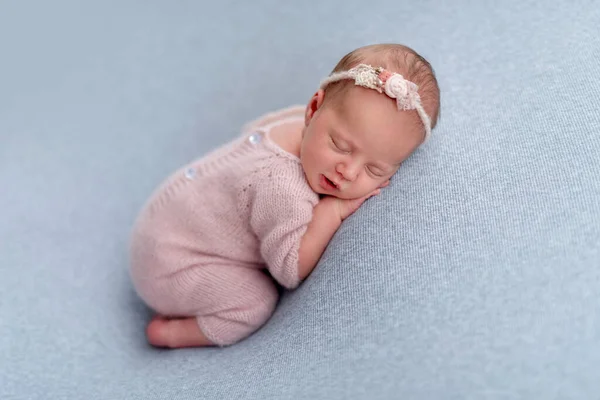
[[190, 173], [254, 138]]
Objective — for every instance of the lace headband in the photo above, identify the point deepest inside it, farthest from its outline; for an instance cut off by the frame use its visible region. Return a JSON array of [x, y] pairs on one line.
[[394, 85]]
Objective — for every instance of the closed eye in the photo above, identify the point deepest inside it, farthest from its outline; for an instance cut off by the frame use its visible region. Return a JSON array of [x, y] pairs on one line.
[[375, 171], [337, 146]]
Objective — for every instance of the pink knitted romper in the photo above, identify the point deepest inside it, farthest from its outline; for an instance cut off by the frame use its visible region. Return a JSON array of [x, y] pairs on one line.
[[204, 242]]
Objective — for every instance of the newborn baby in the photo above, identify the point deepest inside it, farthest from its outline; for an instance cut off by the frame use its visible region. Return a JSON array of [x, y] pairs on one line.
[[209, 244]]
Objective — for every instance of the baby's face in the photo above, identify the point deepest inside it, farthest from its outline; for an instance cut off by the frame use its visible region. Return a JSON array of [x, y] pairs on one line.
[[353, 146]]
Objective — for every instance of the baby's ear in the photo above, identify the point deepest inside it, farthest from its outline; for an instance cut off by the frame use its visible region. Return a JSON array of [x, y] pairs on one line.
[[313, 105]]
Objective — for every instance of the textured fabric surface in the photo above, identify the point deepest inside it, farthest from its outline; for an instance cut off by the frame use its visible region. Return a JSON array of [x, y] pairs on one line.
[[475, 275]]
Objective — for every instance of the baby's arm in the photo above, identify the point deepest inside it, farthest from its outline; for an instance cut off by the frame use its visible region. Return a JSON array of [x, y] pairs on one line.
[[327, 217], [325, 222]]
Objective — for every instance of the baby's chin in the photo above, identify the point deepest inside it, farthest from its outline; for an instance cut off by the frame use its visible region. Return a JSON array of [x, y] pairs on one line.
[[349, 196]]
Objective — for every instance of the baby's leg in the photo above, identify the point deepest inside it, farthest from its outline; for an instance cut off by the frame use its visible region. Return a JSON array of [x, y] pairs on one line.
[[228, 303]]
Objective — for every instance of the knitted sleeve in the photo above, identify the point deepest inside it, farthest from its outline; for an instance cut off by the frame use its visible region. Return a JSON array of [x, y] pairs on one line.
[[281, 211]]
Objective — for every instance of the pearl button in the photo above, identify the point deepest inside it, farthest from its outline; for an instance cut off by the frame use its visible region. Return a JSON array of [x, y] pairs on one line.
[[190, 173], [255, 138]]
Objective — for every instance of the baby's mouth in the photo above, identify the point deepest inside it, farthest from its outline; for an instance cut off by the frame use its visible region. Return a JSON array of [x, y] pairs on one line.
[[331, 183]]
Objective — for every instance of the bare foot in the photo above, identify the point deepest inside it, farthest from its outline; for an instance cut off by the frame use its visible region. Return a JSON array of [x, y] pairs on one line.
[[175, 333]]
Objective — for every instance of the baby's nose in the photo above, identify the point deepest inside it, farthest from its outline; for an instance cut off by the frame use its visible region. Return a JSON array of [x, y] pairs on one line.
[[349, 172]]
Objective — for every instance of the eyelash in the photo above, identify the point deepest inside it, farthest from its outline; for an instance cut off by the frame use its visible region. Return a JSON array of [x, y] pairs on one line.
[[338, 147], [373, 173]]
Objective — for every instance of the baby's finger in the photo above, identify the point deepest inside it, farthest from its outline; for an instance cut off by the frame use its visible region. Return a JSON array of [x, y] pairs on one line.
[[385, 184], [373, 193]]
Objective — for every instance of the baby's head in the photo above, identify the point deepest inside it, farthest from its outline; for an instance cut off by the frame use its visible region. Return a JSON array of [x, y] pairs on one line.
[[365, 120]]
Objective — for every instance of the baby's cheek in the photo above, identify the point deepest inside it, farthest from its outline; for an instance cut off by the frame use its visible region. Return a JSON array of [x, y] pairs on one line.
[[366, 187]]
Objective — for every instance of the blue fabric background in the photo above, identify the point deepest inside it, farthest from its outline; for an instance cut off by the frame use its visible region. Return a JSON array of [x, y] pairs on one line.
[[475, 275]]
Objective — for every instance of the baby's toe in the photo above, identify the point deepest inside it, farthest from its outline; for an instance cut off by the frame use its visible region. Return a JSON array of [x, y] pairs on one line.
[[157, 333]]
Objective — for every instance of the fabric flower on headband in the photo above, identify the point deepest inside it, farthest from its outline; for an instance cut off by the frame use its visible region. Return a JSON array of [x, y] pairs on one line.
[[392, 84]]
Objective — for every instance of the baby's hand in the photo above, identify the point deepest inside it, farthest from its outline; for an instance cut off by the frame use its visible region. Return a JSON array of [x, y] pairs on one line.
[[348, 207], [344, 207]]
